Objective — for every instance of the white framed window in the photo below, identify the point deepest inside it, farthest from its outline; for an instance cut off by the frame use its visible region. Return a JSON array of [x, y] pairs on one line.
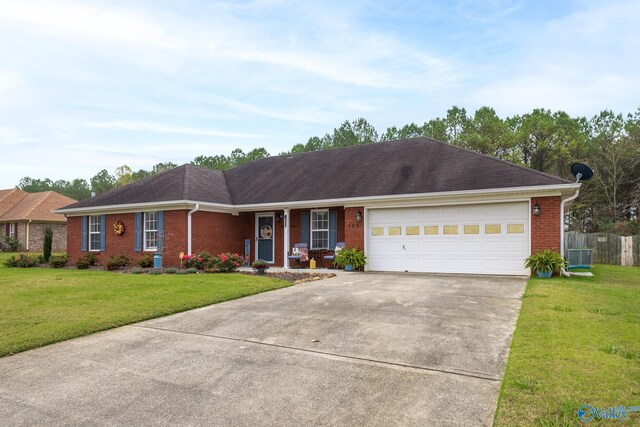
[[12, 230], [94, 232], [151, 231], [320, 229]]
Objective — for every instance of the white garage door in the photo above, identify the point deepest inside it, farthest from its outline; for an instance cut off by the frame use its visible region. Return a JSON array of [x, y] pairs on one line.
[[475, 239]]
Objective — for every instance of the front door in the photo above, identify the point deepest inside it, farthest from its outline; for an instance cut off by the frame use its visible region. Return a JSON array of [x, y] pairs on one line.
[[264, 237]]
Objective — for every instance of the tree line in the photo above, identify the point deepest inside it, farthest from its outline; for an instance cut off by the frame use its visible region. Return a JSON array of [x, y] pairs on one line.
[[543, 140]]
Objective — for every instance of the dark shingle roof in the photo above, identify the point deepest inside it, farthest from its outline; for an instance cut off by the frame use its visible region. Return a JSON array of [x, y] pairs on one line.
[[410, 166], [186, 182], [416, 165]]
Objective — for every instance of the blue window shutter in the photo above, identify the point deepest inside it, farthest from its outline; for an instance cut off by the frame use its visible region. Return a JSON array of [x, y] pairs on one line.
[[84, 234], [138, 231], [160, 231], [304, 228], [333, 229], [103, 233]]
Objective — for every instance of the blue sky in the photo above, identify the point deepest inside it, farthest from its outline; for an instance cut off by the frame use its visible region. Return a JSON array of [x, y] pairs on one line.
[[92, 85]]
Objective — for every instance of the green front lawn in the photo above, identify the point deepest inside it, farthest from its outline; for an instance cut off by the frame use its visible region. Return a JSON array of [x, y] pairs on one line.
[[577, 341], [41, 306]]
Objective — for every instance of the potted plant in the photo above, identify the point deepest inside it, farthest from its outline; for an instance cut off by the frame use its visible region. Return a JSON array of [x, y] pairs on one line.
[[351, 259], [545, 263], [260, 266]]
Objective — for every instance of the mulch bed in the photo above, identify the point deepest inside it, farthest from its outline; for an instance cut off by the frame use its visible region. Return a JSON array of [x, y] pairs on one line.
[[293, 277]]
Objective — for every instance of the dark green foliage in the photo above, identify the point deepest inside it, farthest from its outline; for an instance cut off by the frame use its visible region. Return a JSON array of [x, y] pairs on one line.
[[21, 261], [546, 260], [170, 270], [48, 243], [191, 270], [226, 262], [146, 261], [118, 261], [183, 272], [82, 264], [13, 244], [58, 261], [91, 258], [354, 257]]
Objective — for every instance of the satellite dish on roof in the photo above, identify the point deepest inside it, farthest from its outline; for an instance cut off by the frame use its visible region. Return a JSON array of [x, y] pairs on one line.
[[581, 171]]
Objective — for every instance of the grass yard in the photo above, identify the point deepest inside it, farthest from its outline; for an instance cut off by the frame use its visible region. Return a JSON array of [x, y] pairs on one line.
[[41, 306], [577, 341]]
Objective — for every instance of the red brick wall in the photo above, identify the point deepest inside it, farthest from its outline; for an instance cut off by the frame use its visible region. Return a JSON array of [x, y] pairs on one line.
[[216, 232], [353, 230], [545, 228]]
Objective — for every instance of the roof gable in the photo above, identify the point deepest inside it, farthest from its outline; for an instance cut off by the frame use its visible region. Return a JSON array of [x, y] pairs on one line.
[[186, 182], [34, 206]]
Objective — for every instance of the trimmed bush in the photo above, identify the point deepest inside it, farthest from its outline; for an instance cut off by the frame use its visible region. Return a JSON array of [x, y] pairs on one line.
[[48, 243], [91, 258], [146, 261], [200, 260], [58, 261], [14, 244], [226, 262], [155, 272], [137, 271], [118, 261], [82, 264], [182, 272], [22, 261], [170, 270], [192, 270]]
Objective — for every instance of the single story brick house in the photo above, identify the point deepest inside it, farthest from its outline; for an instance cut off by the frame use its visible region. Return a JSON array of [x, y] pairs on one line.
[[416, 205], [24, 216]]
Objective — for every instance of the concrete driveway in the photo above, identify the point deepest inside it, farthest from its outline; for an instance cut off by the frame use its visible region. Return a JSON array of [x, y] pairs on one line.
[[357, 349]]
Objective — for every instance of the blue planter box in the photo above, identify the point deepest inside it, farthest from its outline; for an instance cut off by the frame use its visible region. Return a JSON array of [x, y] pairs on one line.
[[544, 274]]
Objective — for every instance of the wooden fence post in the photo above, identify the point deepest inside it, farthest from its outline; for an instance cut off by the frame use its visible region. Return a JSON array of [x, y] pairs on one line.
[[626, 255]]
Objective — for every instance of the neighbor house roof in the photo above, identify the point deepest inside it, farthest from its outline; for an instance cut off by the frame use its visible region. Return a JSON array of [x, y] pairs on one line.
[[410, 166], [18, 205]]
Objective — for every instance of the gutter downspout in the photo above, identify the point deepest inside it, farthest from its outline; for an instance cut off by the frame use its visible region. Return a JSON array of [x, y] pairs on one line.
[[27, 240], [562, 205], [191, 212]]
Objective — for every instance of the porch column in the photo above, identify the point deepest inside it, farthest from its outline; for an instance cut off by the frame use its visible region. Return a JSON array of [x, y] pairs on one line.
[[286, 238]]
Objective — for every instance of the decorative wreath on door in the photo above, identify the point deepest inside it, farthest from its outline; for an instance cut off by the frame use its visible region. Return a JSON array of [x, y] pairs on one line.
[[266, 232], [118, 228]]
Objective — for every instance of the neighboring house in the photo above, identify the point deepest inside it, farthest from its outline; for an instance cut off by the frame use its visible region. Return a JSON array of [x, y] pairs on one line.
[[24, 216], [414, 205]]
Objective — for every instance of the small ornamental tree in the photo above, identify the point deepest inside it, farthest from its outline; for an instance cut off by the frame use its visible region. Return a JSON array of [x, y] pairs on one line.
[[48, 243]]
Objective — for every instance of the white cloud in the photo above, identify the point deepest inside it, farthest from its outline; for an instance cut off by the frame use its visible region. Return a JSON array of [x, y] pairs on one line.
[[162, 128]]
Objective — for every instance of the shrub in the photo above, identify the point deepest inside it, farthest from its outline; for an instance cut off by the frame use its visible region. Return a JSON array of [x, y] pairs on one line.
[[545, 261], [182, 272], [354, 257], [200, 260], [170, 270], [82, 264], [22, 261], [48, 243], [260, 264], [91, 258], [191, 270], [40, 259], [58, 261], [137, 271], [146, 261], [155, 272], [118, 261], [226, 262], [14, 244]]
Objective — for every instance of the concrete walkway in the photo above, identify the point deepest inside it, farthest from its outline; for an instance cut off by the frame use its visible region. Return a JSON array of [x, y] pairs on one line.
[[356, 349]]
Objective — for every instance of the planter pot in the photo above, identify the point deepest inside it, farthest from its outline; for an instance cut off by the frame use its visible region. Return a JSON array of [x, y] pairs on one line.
[[260, 270], [348, 268], [544, 274]]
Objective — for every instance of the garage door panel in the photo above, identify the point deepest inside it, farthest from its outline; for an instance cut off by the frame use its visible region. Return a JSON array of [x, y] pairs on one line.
[[489, 244]]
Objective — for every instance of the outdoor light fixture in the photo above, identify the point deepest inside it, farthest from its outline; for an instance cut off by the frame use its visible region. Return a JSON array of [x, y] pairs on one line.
[[536, 209], [359, 216]]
